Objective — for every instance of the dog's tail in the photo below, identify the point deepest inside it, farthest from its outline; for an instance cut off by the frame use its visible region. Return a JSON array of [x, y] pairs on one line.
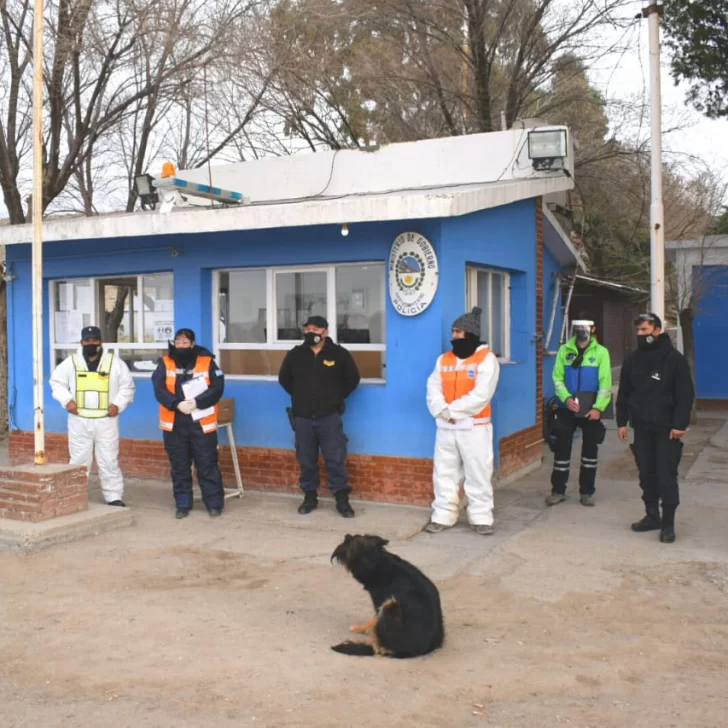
[[361, 649]]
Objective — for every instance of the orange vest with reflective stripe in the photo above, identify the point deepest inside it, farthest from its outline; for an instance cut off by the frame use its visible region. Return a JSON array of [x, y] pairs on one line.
[[202, 368], [459, 377]]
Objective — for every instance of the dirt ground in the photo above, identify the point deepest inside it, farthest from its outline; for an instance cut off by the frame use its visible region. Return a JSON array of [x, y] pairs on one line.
[[567, 618]]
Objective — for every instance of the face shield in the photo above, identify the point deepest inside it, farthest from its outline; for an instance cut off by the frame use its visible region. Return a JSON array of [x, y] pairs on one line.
[[582, 329]]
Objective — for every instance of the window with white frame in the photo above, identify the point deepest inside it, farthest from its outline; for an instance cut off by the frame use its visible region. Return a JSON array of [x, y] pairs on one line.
[[135, 314], [491, 291], [259, 314]]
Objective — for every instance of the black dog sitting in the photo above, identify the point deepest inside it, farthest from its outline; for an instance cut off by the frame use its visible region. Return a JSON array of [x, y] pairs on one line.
[[407, 619]]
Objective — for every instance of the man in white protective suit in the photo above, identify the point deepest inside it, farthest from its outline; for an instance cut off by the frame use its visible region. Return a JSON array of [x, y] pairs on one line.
[[459, 392], [95, 386]]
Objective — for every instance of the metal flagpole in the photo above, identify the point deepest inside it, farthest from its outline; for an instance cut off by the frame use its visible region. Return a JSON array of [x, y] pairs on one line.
[[657, 213], [40, 454]]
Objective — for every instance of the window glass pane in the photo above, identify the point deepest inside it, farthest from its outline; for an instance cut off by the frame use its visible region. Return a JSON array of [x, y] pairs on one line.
[[253, 362], [360, 304], [243, 307], [72, 309], [158, 307], [371, 363], [298, 296], [60, 354], [141, 361], [118, 304], [484, 303], [498, 314]]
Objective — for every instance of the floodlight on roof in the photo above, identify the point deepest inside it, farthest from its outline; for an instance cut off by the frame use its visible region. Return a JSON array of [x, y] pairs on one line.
[[144, 189]]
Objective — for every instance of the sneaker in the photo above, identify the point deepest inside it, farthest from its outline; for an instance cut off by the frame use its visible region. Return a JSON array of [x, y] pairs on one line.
[[586, 499], [310, 502], [215, 512], [343, 505], [554, 498], [181, 513], [119, 503], [483, 529], [433, 527]]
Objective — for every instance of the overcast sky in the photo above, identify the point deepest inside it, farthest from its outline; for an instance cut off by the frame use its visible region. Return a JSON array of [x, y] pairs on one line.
[[628, 74]]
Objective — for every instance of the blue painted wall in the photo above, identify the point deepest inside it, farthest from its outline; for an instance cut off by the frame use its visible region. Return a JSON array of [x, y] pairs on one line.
[[711, 332], [504, 237], [384, 419], [551, 289]]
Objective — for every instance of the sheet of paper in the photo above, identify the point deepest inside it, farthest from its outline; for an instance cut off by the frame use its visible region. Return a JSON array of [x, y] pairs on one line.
[[60, 321], [163, 330], [65, 296], [194, 387], [75, 324], [84, 302], [198, 414]]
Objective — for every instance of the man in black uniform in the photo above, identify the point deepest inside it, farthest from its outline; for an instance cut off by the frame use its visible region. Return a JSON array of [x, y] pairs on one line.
[[188, 385], [319, 375], [656, 397]]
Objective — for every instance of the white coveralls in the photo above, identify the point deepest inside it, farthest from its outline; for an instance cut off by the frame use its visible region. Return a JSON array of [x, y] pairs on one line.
[[463, 450], [103, 432]]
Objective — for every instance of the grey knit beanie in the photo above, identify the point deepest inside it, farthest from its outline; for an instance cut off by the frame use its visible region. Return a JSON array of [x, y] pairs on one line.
[[469, 322]]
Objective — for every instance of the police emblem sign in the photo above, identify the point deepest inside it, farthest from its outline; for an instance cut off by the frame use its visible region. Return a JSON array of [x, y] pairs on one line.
[[413, 273]]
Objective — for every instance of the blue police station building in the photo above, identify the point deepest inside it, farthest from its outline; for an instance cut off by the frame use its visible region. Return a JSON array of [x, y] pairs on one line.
[[701, 267], [464, 221]]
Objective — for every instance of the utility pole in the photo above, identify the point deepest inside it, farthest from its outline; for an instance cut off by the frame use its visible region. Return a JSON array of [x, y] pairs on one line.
[[657, 213], [37, 250]]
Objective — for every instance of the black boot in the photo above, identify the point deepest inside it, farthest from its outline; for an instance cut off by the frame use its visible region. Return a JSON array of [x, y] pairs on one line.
[[667, 531], [343, 505], [310, 502], [651, 522]]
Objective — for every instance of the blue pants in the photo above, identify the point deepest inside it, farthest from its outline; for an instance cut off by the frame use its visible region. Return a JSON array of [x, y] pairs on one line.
[[187, 443], [326, 434]]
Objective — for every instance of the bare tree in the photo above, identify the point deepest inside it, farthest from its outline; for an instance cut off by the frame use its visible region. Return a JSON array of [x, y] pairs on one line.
[[105, 62], [352, 71]]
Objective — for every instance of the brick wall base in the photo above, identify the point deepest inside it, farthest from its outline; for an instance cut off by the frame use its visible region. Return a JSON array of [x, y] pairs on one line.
[[41, 492], [373, 477], [712, 405], [521, 450]]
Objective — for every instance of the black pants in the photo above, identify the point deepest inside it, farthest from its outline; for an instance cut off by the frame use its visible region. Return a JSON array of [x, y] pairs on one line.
[[658, 458], [565, 425], [326, 433], [187, 443]]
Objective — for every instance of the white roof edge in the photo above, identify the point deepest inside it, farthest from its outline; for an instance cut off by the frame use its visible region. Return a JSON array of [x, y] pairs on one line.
[[548, 215], [402, 205], [708, 241]]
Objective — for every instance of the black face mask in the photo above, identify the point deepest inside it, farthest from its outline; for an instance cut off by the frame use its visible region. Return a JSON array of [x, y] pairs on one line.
[[184, 357], [90, 350], [646, 342], [463, 348], [312, 339]]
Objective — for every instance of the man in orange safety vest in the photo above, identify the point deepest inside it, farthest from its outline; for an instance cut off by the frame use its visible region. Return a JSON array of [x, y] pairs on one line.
[[459, 393]]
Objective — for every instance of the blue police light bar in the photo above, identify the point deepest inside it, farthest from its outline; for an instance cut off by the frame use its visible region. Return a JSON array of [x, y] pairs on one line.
[[198, 190]]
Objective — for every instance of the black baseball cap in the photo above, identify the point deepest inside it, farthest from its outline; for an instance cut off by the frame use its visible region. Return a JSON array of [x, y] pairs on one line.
[[90, 332], [652, 318], [318, 321]]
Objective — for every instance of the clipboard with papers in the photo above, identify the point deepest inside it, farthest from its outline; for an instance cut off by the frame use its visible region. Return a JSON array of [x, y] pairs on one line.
[[193, 389]]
